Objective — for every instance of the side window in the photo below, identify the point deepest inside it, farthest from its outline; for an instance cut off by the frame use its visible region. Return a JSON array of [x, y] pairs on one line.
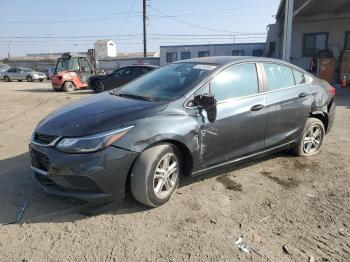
[[139, 71], [236, 81], [84, 65], [203, 53], [299, 77], [123, 72], [171, 57], [278, 76], [185, 55], [12, 70]]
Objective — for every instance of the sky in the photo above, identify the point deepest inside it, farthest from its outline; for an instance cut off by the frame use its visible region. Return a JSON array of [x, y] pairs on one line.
[[28, 26]]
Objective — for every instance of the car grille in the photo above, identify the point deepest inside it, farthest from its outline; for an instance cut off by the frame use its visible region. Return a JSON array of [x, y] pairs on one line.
[[44, 139], [40, 160]]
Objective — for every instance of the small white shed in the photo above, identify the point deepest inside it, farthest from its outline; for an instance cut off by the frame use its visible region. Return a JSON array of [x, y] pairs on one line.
[[105, 49]]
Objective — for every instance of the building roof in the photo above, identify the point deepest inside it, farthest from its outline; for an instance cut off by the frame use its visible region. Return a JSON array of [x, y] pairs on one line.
[[312, 7], [225, 44]]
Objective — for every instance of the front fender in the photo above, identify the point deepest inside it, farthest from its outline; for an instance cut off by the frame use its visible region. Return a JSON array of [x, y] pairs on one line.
[[181, 128]]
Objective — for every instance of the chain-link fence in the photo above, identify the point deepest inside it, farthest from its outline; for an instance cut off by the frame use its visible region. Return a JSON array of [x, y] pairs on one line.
[[102, 64]]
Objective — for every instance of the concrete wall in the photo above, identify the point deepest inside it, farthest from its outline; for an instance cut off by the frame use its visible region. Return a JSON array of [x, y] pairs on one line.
[[214, 49]]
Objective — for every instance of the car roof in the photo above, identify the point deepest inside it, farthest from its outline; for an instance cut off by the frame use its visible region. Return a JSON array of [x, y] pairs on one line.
[[225, 60]]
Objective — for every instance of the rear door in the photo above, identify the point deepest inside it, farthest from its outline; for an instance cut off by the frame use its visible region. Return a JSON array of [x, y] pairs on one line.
[[288, 103], [239, 128]]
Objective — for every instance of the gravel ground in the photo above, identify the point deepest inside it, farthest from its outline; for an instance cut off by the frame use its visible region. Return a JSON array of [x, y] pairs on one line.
[[281, 200]]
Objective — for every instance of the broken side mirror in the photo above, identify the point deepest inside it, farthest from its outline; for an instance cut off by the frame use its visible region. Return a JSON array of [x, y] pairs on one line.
[[208, 103]]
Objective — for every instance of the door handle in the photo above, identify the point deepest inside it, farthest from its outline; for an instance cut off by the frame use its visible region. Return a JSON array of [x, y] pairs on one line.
[[257, 107], [301, 95]]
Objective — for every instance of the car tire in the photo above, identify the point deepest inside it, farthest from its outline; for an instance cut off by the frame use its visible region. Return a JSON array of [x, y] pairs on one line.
[[41, 80], [68, 87], [156, 174], [7, 79], [98, 86], [29, 79], [310, 140]]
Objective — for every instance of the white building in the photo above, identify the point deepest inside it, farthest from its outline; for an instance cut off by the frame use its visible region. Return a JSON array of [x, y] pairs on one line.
[[170, 54], [105, 49]]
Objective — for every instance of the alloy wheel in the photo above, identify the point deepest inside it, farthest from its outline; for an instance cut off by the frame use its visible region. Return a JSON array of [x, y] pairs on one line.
[[313, 139], [165, 176]]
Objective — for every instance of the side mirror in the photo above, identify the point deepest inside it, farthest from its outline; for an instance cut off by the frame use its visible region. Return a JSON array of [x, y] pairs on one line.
[[208, 102], [205, 100]]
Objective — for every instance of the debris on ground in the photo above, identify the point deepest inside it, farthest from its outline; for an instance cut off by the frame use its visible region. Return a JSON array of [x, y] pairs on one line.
[[261, 220], [242, 245], [312, 259], [285, 249], [20, 213]]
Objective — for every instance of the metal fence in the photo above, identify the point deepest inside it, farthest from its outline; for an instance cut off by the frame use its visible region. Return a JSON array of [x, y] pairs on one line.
[[102, 64]]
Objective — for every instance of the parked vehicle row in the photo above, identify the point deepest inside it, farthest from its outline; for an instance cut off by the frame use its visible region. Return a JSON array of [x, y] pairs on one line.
[[183, 119], [75, 72]]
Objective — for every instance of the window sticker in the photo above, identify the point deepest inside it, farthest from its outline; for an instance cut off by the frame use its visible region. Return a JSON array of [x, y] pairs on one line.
[[205, 67]]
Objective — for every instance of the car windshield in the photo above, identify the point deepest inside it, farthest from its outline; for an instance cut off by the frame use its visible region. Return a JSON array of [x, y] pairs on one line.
[[69, 64], [166, 83]]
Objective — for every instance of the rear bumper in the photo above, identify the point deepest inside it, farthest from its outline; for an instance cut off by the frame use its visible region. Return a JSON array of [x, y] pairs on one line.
[[95, 177], [331, 115]]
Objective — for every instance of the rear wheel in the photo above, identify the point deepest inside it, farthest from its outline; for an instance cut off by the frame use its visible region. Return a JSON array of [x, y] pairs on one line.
[[68, 87], [98, 86], [310, 140], [155, 175], [29, 79], [7, 79]]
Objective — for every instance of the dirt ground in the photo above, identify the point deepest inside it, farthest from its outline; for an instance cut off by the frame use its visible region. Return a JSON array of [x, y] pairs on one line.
[[302, 204]]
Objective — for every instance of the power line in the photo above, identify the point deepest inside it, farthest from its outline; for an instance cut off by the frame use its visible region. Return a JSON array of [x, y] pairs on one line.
[[189, 24], [127, 16]]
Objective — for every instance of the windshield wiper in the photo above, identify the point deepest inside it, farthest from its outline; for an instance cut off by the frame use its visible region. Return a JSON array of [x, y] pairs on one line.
[[126, 95]]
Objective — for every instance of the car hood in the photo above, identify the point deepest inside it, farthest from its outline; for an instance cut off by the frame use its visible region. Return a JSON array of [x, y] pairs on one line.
[[97, 113]]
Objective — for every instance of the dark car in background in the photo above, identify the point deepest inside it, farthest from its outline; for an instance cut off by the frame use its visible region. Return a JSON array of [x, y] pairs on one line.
[[183, 119], [119, 77]]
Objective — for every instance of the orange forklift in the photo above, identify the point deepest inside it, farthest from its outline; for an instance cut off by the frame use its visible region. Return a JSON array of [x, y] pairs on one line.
[[71, 73]]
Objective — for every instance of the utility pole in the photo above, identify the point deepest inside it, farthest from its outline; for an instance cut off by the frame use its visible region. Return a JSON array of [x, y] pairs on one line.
[[144, 29], [8, 53], [288, 23]]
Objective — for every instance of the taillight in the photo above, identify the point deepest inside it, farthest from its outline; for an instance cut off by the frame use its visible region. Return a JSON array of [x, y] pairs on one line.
[[333, 91]]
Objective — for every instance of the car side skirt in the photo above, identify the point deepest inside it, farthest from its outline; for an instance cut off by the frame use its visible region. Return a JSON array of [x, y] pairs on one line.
[[240, 159]]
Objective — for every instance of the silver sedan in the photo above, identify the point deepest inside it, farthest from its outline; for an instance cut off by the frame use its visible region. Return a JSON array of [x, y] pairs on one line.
[[20, 74]]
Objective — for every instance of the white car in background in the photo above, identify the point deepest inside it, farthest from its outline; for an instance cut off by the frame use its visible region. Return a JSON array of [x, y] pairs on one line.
[[17, 73]]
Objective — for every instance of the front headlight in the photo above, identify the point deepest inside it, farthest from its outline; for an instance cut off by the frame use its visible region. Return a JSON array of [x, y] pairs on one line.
[[91, 143]]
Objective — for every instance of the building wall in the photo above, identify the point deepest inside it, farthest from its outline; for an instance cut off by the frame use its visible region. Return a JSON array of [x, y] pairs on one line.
[[214, 50], [336, 37]]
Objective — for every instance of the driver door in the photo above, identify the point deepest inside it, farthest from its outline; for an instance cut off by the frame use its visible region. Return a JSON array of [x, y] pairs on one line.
[[240, 124]]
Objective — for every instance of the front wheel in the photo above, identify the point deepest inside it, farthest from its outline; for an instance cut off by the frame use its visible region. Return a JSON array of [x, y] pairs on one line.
[[155, 175], [29, 79], [68, 87], [310, 140], [98, 86]]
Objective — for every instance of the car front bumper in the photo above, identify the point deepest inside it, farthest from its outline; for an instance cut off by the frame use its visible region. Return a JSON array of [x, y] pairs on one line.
[[96, 177]]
